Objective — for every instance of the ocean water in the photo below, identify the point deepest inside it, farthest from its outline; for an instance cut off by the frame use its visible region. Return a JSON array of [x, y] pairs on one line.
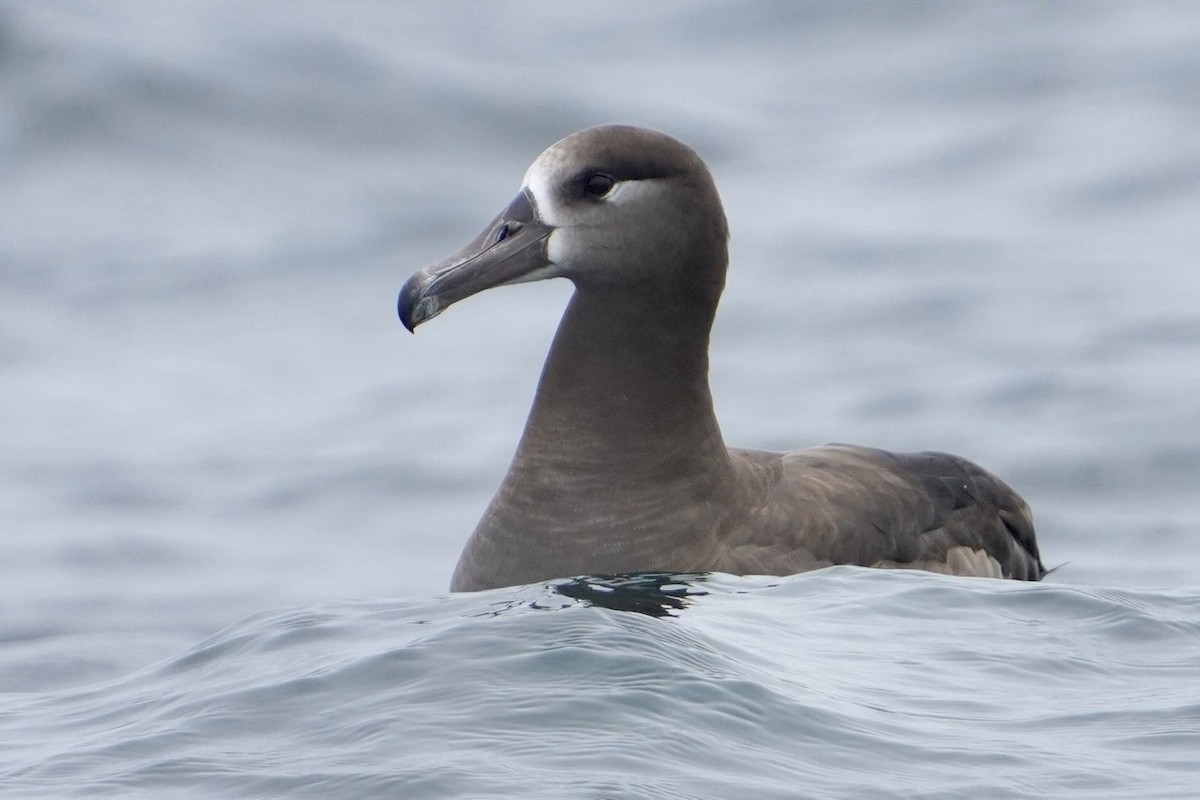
[[232, 488], [843, 683]]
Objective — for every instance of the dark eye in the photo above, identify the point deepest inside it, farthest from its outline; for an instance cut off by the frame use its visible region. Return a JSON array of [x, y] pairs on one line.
[[503, 233], [598, 184]]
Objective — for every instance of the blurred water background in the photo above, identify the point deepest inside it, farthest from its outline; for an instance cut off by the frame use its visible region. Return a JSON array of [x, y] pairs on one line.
[[963, 227]]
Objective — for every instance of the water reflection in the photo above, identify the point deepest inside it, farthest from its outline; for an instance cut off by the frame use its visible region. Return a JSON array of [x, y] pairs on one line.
[[656, 594]]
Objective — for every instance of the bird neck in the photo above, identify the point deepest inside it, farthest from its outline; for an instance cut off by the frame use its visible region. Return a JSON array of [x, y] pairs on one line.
[[624, 397]]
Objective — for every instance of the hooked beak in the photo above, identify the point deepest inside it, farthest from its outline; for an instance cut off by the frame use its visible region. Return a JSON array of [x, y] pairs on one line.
[[511, 249]]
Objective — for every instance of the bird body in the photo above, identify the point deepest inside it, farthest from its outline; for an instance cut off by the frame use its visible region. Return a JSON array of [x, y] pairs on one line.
[[622, 467]]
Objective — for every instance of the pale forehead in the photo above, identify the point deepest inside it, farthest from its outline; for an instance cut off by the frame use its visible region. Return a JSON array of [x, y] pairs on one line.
[[552, 160], [543, 174], [559, 159]]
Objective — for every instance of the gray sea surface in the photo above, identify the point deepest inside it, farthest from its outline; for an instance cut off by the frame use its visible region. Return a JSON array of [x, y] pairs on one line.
[[232, 488]]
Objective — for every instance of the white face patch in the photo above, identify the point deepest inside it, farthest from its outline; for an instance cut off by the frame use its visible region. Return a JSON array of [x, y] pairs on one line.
[[556, 247], [539, 182], [630, 191], [576, 222]]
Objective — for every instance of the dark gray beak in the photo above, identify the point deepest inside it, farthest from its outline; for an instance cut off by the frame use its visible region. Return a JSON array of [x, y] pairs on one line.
[[509, 250]]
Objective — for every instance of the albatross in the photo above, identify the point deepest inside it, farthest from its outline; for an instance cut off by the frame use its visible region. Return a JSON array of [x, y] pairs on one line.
[[622, 467]]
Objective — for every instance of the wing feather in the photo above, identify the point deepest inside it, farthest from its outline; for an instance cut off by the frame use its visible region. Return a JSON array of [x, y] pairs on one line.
[[843, 504]]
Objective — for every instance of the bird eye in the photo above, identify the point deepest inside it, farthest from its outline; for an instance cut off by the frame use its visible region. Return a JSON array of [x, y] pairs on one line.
[[598, 184], [503, 233]]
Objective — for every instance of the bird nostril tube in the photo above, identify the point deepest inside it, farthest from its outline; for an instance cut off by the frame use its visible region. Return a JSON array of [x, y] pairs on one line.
[[505, 230]]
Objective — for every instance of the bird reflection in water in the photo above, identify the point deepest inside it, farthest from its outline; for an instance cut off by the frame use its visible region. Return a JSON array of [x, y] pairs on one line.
[[656, 594]]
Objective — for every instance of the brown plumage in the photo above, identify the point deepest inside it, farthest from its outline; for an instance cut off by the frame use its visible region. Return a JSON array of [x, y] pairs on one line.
[[622, 467]]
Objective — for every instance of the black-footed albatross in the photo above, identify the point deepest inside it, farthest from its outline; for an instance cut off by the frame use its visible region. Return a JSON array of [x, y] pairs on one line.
[[622, 467]]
